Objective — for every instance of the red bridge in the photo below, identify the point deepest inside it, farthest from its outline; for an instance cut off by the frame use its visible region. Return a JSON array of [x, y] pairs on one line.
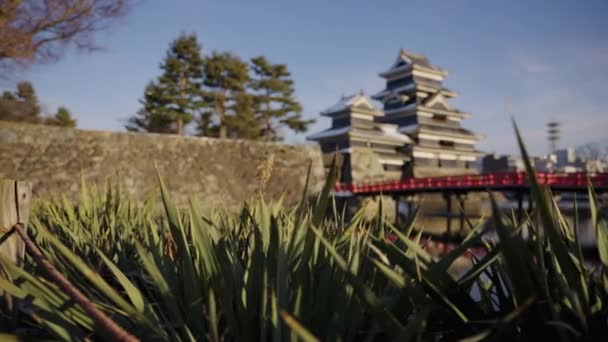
[[516, 183], [503, 181]]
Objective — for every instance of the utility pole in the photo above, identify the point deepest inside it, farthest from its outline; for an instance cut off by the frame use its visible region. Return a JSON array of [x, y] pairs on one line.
[[553, 131]]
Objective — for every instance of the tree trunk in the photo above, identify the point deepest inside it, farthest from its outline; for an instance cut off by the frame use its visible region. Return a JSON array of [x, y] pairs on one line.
[[222, 133], [14, 208], [269, 134], [221, 107], [180, 126], [183, 94]]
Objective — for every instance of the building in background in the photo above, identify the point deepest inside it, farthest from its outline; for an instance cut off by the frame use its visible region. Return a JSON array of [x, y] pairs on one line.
[[504, 163], [416, 100], [354, 128], [561, 161], [416, 133], [567, 161], [565, 156]]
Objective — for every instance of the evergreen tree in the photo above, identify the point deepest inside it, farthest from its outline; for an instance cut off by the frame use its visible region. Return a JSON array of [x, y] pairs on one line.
[[22, 105], [151, 117], [205, 125], [243, 123], [172, 102], [30, 108], [25, 90], [7, 102], [8, 96], [226, 77], [63, 118], [276, 105]]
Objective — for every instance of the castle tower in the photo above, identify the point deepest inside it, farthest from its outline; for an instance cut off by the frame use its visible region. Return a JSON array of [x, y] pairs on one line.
[[355, 131], [416, 100]]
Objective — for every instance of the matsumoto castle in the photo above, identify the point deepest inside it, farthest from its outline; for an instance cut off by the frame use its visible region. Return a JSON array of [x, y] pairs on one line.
[[416, 134]]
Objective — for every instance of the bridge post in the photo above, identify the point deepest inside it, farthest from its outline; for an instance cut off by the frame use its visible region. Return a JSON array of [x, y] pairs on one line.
[[520, 206], [410, 206], [461, 199], [448, 201], [396, 199]]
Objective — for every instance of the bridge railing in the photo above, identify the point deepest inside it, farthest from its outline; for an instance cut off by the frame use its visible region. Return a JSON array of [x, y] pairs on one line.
[[481, 181]]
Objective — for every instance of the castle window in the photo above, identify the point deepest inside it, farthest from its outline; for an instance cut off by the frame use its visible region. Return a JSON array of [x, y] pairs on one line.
[[446, 143], [388, 167], [440, 117]]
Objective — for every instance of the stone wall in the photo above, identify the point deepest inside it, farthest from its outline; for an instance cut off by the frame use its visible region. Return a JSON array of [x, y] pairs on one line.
[[366, 166], [218, 172]]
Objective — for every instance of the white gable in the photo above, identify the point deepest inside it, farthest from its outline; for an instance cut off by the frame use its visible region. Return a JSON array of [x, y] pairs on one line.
[[391, 130], [438, 98], [361, 101]]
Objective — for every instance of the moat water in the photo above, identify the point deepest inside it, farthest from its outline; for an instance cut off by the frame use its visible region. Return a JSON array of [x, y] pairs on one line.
[[435, 223]]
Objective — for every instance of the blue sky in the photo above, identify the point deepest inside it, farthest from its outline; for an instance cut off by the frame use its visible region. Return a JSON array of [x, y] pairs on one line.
[[543, 59]]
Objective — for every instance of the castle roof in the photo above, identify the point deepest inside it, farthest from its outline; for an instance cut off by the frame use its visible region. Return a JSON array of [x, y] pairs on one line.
[[358, 102], [379, 131], [408, 60], [413, 58]]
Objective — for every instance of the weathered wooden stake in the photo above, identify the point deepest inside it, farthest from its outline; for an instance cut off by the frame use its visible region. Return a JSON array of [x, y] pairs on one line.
[[107, 325], [14, 213], [14, 208]]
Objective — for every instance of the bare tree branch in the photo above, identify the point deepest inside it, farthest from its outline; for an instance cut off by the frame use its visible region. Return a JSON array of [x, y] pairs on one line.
[[38, 31]]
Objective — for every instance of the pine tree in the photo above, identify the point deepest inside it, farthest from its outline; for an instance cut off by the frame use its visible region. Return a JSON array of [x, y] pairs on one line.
[[8, 96], [205, 125], [22, 105], [7, 104], [25, 91], [243, 124], [276, 105], [63, 118], [30, 109], [151, 117], [226, 77], [172, 102]]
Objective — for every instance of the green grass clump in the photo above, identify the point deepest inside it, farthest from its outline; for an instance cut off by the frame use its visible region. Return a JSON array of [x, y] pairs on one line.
[[271, 272]]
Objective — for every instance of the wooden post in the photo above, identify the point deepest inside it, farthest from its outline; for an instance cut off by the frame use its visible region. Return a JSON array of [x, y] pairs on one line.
[[14, 208]]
